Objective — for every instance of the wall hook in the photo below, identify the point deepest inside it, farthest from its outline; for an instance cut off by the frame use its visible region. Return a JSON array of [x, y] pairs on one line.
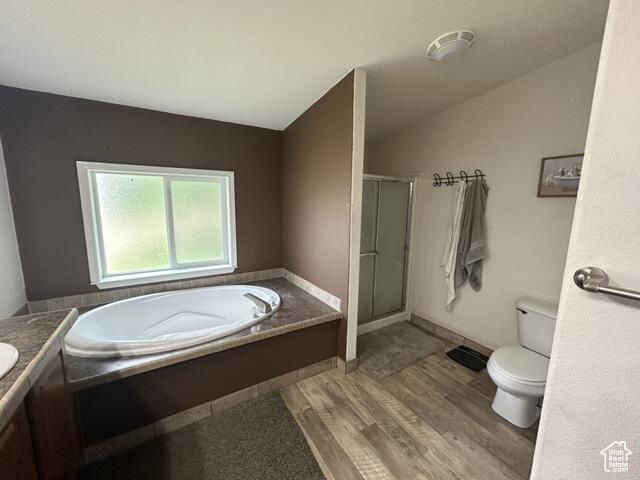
[[450, 180]]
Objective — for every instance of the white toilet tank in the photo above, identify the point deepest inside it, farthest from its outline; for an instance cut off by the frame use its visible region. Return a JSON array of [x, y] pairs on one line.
[[536, 323]]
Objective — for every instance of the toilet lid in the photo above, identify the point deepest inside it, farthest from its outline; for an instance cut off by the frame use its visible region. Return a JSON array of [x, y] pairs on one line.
[[521, 364]]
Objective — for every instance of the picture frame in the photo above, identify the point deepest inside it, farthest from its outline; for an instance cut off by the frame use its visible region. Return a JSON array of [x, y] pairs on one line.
[[560, 175]]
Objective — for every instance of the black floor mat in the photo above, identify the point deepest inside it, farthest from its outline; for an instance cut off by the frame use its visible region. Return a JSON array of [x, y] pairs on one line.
[[468, 357]]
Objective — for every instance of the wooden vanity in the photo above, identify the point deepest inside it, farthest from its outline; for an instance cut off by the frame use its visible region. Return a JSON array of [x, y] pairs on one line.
[[39, 435]]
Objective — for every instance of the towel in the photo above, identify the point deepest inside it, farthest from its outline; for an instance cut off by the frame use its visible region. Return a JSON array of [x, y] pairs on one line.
[[472, 244], [451, 247]]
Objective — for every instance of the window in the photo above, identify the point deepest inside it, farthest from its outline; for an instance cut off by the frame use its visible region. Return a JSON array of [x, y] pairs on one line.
[[150, 224]]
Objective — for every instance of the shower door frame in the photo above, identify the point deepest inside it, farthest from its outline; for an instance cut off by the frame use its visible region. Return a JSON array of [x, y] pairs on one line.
[[402, 313]]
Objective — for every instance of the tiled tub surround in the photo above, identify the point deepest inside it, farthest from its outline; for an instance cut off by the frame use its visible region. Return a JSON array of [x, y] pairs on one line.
[[298, 310], [331, 300], [38, 338], [113, 295], [108, 296], [102, 450], [124, 405]]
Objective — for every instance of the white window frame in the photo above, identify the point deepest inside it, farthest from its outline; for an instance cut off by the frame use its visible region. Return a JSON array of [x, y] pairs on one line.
[[93, 234]]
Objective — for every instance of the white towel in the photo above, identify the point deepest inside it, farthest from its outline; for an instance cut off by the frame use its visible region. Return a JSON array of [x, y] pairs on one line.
[[451, 247]]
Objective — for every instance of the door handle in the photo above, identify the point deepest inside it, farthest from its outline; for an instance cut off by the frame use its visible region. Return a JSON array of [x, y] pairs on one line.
[[369, 254]]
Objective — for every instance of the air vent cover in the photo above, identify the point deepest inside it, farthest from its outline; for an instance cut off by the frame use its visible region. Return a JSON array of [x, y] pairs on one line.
[[451, 45]]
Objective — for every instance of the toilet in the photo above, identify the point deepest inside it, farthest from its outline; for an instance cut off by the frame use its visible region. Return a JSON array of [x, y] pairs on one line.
[[520, 371]]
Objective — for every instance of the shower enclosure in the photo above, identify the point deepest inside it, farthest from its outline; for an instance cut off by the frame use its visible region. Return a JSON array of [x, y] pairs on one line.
[[384, 246]]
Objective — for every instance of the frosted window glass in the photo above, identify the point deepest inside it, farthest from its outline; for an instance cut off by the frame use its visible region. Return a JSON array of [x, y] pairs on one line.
[[197, 221], [133, 222]]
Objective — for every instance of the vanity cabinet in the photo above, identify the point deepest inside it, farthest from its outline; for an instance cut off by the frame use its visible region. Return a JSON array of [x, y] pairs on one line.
[[39, 434], [54, 424], [17, 459]]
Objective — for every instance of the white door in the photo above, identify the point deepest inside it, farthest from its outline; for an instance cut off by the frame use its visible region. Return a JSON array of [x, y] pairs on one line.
[[592, 399]]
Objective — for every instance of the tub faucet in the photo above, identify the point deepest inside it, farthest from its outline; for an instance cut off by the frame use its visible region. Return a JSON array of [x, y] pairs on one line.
[[262, 306]]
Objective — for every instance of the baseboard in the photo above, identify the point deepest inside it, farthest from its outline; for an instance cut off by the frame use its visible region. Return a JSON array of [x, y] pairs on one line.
[[349, 366], [448, 335], [383, 322]]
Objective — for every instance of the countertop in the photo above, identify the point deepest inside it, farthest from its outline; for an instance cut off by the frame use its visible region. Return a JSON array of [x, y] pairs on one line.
[[298, 309], [38, 338]]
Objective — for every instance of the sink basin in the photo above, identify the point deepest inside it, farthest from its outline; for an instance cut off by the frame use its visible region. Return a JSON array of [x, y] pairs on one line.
[[8, 358]]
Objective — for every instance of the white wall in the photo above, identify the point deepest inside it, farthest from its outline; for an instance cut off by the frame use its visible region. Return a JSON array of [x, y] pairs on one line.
[[594, 376], [505, 132], [12, 295]]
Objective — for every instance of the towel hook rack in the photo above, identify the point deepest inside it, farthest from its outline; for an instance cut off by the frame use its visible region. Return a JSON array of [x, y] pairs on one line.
[[451, 179], [593, 279]]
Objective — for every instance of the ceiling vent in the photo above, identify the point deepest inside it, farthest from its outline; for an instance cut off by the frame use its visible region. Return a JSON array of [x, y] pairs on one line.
[[450, 46]]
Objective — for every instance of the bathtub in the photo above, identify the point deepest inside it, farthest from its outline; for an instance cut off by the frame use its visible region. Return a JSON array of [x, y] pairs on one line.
[[162, 322]]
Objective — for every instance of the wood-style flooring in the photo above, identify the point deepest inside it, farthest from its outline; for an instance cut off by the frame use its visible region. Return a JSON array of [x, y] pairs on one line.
[[431, 420]]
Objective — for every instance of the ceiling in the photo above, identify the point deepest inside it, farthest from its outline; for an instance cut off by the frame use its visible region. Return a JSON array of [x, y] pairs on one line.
[[263, 62]]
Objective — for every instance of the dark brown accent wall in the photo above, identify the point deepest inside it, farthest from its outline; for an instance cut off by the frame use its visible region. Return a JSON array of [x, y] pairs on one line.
[[316, 191], [43, 135], [123, 405]]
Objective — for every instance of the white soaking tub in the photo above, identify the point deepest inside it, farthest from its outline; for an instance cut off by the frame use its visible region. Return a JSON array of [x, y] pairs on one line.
[[167, 321]]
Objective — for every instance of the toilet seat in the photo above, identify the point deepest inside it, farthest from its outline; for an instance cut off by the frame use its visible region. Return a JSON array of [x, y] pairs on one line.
[[521, 364], [519, 371]]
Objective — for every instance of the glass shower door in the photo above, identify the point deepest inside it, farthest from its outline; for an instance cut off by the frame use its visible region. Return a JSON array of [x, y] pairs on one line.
[[368, 249], [393, 211], [383, 248]]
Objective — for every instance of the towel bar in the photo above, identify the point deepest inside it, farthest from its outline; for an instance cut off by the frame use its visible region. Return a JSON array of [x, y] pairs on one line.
[[593, 279]]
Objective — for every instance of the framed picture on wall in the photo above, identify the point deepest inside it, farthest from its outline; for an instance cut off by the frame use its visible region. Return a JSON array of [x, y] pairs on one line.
[[560, 176]]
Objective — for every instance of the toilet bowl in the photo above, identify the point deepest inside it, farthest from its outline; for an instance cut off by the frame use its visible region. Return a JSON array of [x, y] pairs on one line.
[[520, 376], [520, 371]]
